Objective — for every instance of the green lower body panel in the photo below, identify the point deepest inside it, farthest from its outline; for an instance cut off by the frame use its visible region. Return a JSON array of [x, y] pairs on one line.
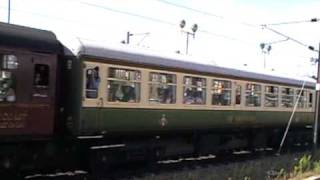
[[97, 120]]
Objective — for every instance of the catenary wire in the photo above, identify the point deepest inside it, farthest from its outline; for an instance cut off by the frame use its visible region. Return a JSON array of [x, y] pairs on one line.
[[158, 20], [129, 14], [206, 13], [283, 35], [293, 22]]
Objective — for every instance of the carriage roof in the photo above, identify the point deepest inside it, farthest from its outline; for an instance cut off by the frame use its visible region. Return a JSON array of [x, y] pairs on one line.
[[176, 61], [37, 40]]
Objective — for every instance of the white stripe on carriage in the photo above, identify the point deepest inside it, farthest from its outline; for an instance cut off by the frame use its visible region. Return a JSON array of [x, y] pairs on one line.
[[90, 137], [108, 146]]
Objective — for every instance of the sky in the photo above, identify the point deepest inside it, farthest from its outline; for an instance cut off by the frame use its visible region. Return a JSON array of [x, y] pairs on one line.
[[229, 31]]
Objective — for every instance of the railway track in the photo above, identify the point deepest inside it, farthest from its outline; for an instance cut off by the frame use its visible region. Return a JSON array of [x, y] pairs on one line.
[[197, 168], [178, 168]]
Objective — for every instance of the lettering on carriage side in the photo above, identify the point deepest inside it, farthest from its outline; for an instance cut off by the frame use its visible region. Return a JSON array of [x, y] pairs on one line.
[[163, 121], [244, 119], [11, 120]]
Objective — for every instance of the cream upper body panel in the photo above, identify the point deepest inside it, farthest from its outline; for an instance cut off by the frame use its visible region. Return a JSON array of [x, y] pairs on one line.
[[206, 91]]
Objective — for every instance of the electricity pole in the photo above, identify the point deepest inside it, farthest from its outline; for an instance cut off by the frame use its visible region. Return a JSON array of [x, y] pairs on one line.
[[127, 41], [194, 28], [315, 128], [317, 103], [128, 37], [9, 10], [266, 48]]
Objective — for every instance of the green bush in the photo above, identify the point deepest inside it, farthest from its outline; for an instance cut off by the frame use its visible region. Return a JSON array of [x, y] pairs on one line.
[[303, 165], [316, 166]]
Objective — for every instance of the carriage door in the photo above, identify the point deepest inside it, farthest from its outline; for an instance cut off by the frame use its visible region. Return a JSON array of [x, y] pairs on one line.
[[93, 89], [43, 92]]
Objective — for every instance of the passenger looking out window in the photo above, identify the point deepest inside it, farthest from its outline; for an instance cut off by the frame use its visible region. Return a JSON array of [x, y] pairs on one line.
[[9, 63], [162, 88], [92, 82], [271, 96], [124, 85], [194, 90], [41, 76], [221, 92], [253, 95], [41, 80], [287, 95]]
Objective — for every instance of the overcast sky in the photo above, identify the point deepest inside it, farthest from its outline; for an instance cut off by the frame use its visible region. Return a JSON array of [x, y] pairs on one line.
[[229, 32]]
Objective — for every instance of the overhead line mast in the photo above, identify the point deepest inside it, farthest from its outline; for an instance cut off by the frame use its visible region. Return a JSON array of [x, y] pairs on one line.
[[9, 10], [317, 106]]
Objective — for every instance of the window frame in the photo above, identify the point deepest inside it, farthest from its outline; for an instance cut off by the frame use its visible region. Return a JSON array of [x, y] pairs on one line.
[[184, 85], [37, 86], [173, 84], [277, 94], [90, 66], [11, 91], [281, 96], [260, 93], [90, 102], [230, 90], [312, 100], [108, 79], [303, 98], [7, 65]]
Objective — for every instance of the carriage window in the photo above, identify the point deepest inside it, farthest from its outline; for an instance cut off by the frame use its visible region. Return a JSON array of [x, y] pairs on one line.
[[253, 95], [271, 96], [92, 82], [7, 77], [162, 88], [124, 85], [9, 62], [287, 95], [303, 98], [41, 76], [221, 92], [194, 90], [238, 95], [310, 102]]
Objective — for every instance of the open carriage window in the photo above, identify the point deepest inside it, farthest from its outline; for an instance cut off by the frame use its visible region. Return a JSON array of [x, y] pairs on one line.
[[9, 62], [92, 82], [221, 92], [287, 96], [124, 85], [302, 101], [194, 90], [41, 76], [7, 77], [162, 88], [271, 96], [253, 95]]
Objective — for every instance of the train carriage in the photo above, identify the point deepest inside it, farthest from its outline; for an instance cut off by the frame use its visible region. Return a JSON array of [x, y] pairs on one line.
[[131, 94], [28, 72], [31, 99], [107, 105]]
